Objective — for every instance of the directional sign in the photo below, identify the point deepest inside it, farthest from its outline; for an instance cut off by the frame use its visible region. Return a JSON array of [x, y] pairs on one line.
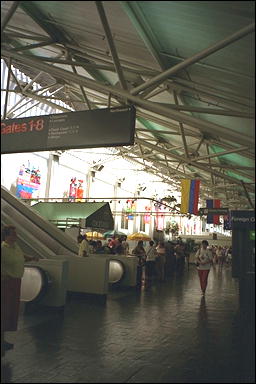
[[213, 211], [106, 127]]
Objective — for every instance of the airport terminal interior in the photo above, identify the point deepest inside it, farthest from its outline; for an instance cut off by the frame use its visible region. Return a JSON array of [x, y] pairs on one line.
[[125, 123]]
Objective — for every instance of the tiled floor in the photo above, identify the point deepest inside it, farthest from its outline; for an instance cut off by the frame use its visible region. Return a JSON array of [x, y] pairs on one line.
[[165, 334]]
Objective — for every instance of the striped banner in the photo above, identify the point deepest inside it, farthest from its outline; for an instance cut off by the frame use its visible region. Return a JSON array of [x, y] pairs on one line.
[[189, 196], [213, 219]]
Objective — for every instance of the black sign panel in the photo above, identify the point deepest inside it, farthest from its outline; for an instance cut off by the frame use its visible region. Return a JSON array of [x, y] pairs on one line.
[[214, 211], [106, 127], [101, 219], [243, 248], [243, 220]]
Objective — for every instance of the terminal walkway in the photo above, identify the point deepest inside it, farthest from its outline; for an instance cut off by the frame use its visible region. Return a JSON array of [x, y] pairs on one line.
[[165, 334]]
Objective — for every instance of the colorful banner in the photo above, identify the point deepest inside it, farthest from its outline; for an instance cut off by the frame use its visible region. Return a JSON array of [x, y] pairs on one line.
[[76, 190], [147, 217], [80, 191], [159, 219], [28, 181], [72, 189], [130, 209], [213, 219], [189, 196]]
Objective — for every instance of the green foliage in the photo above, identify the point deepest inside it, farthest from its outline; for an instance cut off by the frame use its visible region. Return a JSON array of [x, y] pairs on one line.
[[174, 228]]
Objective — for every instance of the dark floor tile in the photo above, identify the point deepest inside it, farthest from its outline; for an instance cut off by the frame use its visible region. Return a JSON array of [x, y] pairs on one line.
[[167, 334]]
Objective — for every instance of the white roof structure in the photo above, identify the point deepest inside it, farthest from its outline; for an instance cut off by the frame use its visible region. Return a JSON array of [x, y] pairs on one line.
[[187, 67]]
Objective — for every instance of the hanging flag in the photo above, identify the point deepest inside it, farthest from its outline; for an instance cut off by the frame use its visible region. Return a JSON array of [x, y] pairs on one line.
[[79, 191], [213, 219], [216, 218], [147, 217], [227, 222], [72, 189], [159, 219], [189, 196], [130, 209]]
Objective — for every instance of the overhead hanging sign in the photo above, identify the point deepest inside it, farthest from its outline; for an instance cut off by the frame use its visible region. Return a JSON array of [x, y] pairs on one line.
[[215, 211], [243, 220], [108, 127]]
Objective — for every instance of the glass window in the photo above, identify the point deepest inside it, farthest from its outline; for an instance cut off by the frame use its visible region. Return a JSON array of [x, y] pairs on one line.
[[124, 220], [142, 223]]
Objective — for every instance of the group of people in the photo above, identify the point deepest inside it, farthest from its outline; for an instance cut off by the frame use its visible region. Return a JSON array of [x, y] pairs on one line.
[[160, 260], [157, 260], [115, 245], [222, 255]]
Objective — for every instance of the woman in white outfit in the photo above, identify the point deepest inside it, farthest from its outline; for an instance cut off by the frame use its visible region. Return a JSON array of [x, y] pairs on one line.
[[150, 261], [203, 262]]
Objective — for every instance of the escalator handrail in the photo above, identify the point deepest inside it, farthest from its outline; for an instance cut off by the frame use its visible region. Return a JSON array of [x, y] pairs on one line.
[[40, 222], [46, 250]]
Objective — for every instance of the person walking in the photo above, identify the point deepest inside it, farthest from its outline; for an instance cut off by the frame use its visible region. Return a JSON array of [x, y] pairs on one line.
[[160, 261], [219, 254], [125, 245], [12, 270], [150, 262], [84, 247], [172, 259], [203, 262], [140, 252], [229, 256], [180, 257]]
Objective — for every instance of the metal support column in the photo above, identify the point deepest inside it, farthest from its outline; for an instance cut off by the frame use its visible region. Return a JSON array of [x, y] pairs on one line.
[[181, 128], [7, 88], [114, 206], [9, 14], [247, 194], [86, 100], [49, 175], [111, 44], [208, 152]]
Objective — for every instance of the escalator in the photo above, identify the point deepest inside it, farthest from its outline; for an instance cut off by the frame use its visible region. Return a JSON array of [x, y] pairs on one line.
[[38, 237]]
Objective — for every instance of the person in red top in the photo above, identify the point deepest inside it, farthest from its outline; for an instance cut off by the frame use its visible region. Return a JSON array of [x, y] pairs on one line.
[[114, 242]]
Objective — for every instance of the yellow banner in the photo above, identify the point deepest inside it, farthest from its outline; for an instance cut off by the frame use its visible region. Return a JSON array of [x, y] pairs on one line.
[[185, 190]]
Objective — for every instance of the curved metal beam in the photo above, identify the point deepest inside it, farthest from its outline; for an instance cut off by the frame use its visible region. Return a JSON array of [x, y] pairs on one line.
[[111, 44], [192, 163], [204, 126], [193, 59], [9, 14]]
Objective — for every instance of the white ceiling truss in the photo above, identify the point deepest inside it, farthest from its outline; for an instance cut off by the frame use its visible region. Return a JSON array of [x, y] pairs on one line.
[[180, 146]]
